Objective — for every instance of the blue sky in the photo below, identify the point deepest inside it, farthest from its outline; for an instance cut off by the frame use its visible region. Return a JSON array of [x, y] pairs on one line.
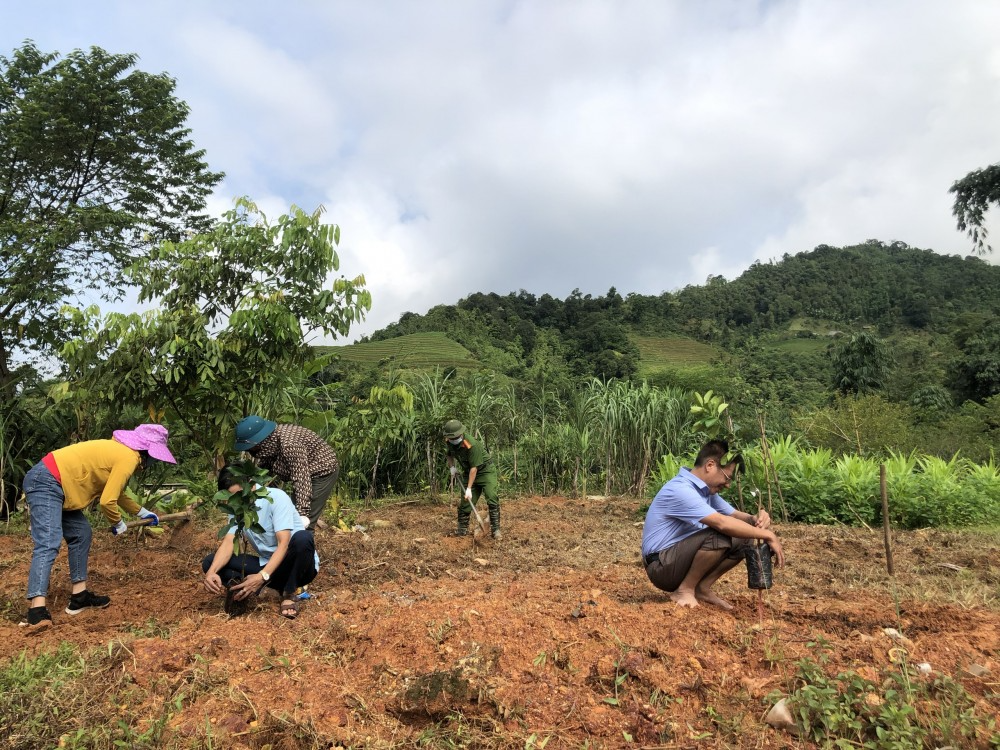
[[550, 145]]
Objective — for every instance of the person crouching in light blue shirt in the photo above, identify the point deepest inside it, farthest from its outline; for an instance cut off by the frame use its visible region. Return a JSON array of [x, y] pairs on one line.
[[692, 536], [284, 555]]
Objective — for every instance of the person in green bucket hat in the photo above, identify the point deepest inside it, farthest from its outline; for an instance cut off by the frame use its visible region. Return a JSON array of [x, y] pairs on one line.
[[479, 476]]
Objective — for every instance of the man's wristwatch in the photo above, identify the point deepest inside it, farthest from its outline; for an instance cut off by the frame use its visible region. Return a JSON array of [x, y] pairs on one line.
[[265, 575]]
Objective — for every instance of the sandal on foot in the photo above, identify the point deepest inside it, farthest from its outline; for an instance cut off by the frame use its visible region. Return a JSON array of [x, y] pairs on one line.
[[289, 609]]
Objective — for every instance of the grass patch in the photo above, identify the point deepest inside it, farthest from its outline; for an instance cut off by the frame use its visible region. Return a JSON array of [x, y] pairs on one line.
[[16, 524], [78, 700], [43, 697], [152, 628], [413, 351], [901, 709]]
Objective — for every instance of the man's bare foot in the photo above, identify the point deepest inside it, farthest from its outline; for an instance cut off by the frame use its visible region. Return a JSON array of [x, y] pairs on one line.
[[684, 599], [710, 597]]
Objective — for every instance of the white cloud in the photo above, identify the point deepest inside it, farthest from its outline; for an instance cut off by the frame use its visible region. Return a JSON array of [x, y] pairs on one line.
[[505, 144]]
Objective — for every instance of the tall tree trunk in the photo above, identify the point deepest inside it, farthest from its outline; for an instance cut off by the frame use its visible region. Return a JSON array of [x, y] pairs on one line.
[[4, 367]]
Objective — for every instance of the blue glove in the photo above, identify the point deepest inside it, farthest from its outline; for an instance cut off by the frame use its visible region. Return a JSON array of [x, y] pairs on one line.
[[143, 513], [119, 528]]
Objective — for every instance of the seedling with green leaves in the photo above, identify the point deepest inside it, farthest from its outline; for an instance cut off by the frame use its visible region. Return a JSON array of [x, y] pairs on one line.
[[708, 410], [241, 506]]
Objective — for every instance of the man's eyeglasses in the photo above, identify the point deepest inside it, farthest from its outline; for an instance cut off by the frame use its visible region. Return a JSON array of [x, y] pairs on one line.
[[729, 477]]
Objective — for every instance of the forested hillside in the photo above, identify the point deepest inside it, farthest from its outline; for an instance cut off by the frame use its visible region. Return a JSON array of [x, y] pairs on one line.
[[873, 350], [937, 315]]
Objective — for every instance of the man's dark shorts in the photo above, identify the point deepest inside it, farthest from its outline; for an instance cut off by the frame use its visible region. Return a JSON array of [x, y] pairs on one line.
[[673, 563]]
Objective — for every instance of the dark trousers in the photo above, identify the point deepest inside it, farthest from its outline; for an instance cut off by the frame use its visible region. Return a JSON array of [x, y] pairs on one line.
[[322, 488], [298, 568]]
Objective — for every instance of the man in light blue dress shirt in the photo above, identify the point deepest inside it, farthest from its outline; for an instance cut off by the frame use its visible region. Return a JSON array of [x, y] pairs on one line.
[[692, 536]]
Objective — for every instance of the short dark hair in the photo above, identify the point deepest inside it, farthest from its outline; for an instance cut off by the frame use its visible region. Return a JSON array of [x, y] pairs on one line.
[[226, 477], [712, 450]]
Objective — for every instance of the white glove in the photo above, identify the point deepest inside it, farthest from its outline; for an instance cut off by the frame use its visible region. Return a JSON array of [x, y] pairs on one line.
[[154, 519], [119, 528], [468, 493], [305, 521], [453, 470]]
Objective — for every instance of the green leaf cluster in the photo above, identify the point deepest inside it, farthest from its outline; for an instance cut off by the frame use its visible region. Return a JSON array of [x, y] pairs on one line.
[[708, 410], [974, 195]]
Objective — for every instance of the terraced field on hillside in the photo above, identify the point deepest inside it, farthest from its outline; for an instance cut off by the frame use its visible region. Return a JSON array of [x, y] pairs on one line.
[[659, 352], [414, 351]]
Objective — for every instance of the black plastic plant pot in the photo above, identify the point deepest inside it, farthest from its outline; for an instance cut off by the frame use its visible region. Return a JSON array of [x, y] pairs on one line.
[[759, 567], [235, 607]]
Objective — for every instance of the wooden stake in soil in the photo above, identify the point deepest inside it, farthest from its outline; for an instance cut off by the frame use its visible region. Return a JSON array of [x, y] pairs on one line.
[[885, 519], [772, 475]]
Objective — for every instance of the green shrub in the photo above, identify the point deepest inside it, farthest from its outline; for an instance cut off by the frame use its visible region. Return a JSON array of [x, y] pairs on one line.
[[924, 491], [902, 711]]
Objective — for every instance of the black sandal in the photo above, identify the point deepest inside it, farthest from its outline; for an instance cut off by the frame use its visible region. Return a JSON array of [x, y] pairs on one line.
[[289, 610]]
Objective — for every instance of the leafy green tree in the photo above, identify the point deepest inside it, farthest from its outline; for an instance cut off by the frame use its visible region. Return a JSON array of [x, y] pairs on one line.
[[931, 402], [974, 194], [866, 425], [972, 429], [229, 335], [96, 168], [977, 370], [862, 365], [240, 507], [386, 422]]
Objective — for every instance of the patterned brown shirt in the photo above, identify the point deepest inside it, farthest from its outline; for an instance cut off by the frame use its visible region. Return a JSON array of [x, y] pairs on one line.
[[295, 454]]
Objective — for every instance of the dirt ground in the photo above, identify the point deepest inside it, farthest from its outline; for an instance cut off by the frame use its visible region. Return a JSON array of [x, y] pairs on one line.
[[551, 637]]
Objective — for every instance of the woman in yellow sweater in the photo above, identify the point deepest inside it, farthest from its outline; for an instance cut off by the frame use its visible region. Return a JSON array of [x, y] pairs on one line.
[[61, 485]]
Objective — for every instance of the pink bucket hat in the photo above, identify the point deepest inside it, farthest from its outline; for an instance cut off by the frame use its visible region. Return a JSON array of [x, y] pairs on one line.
[[151, 438]]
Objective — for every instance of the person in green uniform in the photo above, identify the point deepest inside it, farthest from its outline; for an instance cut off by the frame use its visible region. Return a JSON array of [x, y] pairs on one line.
[[480, 476]]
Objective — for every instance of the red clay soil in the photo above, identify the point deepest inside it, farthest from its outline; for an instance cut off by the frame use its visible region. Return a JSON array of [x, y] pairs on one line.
[[416, 637]]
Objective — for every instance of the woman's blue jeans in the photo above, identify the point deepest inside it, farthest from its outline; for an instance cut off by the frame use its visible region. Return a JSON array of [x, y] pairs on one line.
[[50, 524]]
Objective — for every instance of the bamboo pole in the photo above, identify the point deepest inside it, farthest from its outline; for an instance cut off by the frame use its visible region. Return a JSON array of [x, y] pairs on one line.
[[768, 460], [185, 515], [739, 479], [885, 519]]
